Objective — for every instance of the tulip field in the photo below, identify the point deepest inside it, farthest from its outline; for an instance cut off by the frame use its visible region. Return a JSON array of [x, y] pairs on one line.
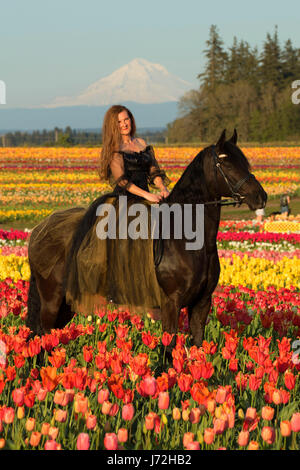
[[105, 381]]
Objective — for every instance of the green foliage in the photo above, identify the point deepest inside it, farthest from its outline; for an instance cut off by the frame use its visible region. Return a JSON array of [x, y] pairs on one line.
[[242, 89]]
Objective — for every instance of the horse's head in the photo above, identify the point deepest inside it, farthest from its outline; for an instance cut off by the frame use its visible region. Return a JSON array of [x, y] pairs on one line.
[[232, 174]]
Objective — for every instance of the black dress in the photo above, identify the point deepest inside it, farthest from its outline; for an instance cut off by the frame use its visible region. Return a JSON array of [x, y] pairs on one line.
[[118, 270], [99, 271]]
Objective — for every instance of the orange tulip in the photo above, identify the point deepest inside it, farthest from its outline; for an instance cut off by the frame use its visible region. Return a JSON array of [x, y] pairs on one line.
[[122, 435], [91, 421], [251, 413], [186, 414], [267, 413], [61, 398], [195, 415], [211, 405], [35, 438], [209, 436], [163, 400], [268, 434], [253, 445], [30, 424], [8, 415], [45, 429], [243, 438], [285, 428], [53, 432], [106, 407], [187, 438], [176, 414], [60, 415], [80, 403], [49, 377]]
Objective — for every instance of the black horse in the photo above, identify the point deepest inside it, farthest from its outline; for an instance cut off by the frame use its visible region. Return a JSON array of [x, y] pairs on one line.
[[188, 277]]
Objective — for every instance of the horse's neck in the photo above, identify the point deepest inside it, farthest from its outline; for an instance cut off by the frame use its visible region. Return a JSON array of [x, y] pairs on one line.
[[192, 187]]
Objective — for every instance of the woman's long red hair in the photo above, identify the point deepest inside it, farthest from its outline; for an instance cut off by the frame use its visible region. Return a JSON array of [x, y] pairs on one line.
[[111, 137]]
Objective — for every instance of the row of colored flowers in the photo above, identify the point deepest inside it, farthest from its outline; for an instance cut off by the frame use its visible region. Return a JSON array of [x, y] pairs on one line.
[[101, 385], [272, 156], [27, 178], [237, 269]]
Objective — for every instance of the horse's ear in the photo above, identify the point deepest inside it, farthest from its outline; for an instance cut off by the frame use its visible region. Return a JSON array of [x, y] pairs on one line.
[[233, 138], [221, 140]]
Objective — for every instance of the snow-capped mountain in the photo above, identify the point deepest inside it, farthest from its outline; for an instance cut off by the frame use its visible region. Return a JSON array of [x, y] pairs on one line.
[[139, 81]]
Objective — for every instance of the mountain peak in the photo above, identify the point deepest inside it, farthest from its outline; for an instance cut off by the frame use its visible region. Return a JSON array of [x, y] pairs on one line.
[[139, 81]]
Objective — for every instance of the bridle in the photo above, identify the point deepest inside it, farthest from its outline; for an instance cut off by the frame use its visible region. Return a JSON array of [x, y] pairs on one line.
[[238, 199]]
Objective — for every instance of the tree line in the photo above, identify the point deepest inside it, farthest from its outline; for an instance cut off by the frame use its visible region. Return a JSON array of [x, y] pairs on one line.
[[242, 88], [68, 137]]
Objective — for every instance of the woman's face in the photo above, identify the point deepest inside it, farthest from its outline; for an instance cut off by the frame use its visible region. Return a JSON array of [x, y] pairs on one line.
[[124, 123]]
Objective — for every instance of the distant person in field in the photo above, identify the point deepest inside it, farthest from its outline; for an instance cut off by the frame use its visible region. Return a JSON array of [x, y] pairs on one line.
[[284, 205], [260, 213]]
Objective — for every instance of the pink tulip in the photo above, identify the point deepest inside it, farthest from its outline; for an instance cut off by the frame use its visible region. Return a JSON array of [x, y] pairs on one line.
[[83, 441], [103, 395], [149, 385], [51, 444], [128, 412], [194, 445], [111, 441], [163, 400], [295, 422]]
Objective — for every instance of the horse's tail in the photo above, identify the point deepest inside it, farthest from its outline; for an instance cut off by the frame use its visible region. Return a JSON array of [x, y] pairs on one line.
[[33, 320], [84, 225]]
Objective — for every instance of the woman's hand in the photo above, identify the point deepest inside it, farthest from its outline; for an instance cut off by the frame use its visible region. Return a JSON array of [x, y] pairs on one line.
[[164, 193], [153, 197]]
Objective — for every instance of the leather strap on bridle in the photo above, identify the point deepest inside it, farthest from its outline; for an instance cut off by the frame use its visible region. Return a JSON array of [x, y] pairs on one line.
[[234, 189]]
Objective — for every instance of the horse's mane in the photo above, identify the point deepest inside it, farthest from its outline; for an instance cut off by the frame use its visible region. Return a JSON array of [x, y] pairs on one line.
[[191, 186]]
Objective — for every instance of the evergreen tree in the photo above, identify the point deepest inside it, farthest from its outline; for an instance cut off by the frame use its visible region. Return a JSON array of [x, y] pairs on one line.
[[216, 60], [270, 62]]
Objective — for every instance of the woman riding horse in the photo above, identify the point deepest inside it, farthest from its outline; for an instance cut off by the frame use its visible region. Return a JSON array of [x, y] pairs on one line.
[[71, 268]]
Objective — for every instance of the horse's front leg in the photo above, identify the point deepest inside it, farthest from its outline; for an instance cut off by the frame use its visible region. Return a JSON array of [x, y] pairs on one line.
[[170, 310], [197, 319]]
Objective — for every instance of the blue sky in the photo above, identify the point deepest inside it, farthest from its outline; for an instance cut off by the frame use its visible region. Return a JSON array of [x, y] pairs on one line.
[[58, 48]]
